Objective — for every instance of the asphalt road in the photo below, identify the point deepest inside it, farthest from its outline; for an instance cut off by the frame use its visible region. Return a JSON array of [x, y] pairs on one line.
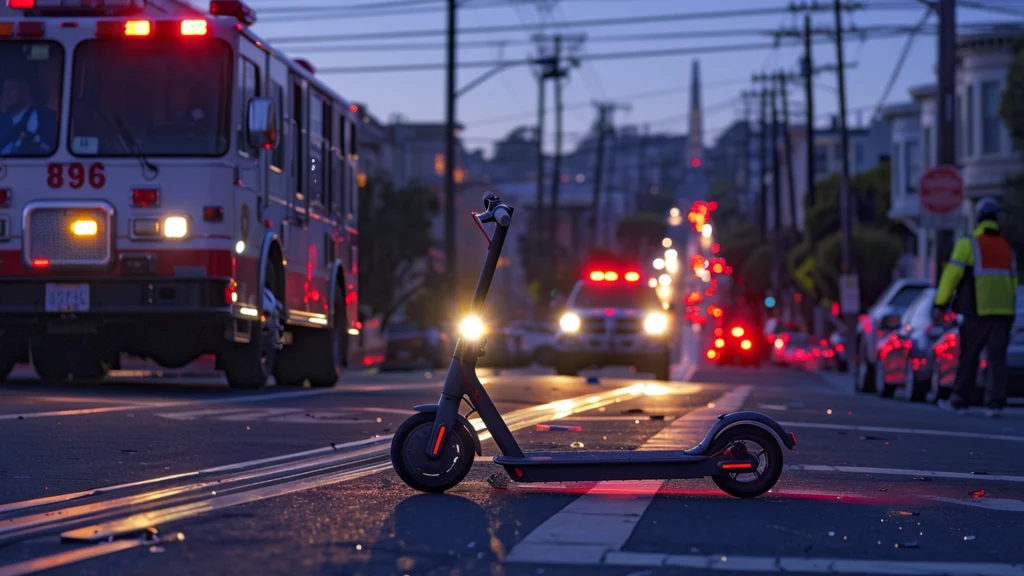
[[298, 482]]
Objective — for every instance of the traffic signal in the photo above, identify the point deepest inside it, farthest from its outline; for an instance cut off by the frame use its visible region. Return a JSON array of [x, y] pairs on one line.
[[769, 302]]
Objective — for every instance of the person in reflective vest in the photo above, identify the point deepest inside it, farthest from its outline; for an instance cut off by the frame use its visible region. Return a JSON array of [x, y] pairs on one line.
[[982, 273]]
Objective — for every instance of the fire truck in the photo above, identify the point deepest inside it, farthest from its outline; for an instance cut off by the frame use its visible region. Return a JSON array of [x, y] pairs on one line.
[[171, 186]]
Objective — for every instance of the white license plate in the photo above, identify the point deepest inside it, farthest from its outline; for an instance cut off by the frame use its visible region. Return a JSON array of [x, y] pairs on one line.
[[67, 297]]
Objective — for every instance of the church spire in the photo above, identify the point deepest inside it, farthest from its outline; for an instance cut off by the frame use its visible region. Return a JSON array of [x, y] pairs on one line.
[[696, 136]]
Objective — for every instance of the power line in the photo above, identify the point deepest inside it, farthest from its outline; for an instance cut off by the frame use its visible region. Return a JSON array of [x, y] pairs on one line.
[[429, 66], [899, 62], [657, 18]]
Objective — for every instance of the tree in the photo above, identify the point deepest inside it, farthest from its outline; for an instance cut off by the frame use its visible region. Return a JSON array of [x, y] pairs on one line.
[[757, 270], [394, 240], [875, 252]]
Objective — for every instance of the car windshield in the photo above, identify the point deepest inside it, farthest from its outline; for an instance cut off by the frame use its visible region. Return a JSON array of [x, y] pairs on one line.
[[153, 98], [799, 339], [920, 312], [906, 296], [616, 295], [30, 92]]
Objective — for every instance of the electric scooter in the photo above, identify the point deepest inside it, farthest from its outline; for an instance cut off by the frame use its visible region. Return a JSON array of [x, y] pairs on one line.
[[433, 450]]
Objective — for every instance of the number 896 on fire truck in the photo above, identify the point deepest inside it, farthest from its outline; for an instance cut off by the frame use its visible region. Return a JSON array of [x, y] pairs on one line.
[[171, 186]]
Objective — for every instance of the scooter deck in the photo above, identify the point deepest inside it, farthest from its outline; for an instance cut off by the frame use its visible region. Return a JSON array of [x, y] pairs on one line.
[[618, 465]]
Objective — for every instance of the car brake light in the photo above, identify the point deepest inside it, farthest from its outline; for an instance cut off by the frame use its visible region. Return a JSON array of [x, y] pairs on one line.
[[611, 276], [145, 197], [21, 4], [597, 276], [840, 347], [41, 262], [712, 354], [737, 332], [779, 344], [193, 27], [632, 276], [719, 343], [746, 345]]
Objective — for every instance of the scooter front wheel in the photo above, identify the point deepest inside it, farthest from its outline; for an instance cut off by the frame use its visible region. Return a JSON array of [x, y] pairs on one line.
[[741, 441], [409, 455]]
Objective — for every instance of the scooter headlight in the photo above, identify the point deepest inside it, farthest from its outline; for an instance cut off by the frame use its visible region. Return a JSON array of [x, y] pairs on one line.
[[471, 328], [656, 324], [570, 323]]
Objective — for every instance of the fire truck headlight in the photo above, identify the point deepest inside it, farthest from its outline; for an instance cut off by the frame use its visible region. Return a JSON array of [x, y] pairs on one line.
[[570, 323], [176, 227], [656, 324]]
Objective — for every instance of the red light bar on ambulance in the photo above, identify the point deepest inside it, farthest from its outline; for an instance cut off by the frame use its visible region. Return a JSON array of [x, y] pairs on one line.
[[613, 276], [21, 4], [79, 7], [146, 28], [235, 9]]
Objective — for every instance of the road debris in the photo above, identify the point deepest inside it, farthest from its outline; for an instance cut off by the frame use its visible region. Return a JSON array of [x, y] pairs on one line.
[[978, 494], [499, 481], [576, 445], [558, 428]]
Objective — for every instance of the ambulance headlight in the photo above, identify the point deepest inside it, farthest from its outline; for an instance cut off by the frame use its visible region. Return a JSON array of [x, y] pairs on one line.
[[656, 324], [570, 323], [175, 227], [471, 328]]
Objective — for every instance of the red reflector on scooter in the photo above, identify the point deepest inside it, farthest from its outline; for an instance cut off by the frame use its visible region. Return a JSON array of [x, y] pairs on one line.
[[793, 438], [737, 466]]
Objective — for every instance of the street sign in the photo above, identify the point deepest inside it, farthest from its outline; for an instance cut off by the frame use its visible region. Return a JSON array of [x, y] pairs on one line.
[[942, 194], [849, 294]]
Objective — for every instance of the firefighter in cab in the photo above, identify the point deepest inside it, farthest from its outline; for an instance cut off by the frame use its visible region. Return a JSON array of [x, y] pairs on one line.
[[982, 273]]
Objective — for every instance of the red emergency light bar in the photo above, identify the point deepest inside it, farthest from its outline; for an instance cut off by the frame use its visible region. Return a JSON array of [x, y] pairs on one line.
[[234, 8], [613, 276], [79, 7], [21, 4], [147, 28]]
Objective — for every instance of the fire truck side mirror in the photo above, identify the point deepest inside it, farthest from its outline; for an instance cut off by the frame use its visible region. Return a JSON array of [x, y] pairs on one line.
[[262, 129]]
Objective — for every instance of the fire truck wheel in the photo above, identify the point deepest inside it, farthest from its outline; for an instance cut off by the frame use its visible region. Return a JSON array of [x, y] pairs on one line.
[[61, 359], [248, 366], [11, 353], [315, 353]]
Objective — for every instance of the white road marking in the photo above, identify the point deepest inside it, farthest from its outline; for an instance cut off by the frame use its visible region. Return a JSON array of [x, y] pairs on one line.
[[350, 415], [593, 525], [904, 472], [891, 430], [753, 564], [1000, 504]]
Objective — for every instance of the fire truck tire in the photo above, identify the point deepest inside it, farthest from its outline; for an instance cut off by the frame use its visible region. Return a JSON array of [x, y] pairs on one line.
[[11, 353], [62, 359], [249, 366], [316, 354]]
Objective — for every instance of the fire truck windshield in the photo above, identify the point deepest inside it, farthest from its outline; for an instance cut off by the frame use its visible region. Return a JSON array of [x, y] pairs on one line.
[[616, 295], [152, 98], [30, 89]]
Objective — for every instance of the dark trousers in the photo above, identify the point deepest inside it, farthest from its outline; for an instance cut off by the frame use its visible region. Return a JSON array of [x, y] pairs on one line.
[[991, 334]]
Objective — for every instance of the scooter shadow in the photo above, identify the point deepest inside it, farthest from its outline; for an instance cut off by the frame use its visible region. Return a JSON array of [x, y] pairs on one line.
[[435, 534]]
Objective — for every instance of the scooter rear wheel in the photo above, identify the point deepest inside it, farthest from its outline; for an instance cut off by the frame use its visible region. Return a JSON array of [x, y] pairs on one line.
[[759, 443], [409, 455]]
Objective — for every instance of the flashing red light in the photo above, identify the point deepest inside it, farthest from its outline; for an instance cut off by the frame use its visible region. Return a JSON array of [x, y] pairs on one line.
[[632, 276], [194, 27], [229, 293], [611, 276], [712, 354], [353, 108], [713, 205], [145, 197], [138, 28], [716, 248], [719, 332], [597, 276], [41, 263], [717, 269], [746, 345], [695, 162], [234, 8], [728, 270], [715, 311], [719, 342], [798, 297], [738, 331], [609, 312], [21, 4], [835, 308]]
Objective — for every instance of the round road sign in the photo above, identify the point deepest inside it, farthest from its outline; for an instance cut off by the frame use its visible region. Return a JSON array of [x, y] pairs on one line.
[[942, 190]]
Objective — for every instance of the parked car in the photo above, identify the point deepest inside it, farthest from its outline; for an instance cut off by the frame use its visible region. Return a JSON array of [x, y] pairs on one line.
[[735, 344], [905, 363], [875, 325], [834, 352], [945, 360], [777, 335], [537, 342], [410, 347], [798, 350]]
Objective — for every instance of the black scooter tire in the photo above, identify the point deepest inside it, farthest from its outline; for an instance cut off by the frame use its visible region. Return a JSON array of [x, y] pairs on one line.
[[773, 455], [408, 455]]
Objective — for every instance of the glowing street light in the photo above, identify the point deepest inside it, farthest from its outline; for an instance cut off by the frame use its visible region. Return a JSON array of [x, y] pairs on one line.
[[659, 264], [672, 266], [671, 254], [706, 230], [666, 243], [652, 282], [665, 280], [674, 212]]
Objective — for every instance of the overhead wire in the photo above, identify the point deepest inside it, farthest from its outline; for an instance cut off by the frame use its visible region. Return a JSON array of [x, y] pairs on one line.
[[901, 59]]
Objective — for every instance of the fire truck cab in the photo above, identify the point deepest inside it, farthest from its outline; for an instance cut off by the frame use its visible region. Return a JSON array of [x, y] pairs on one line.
[[171, 186], [613, 318]]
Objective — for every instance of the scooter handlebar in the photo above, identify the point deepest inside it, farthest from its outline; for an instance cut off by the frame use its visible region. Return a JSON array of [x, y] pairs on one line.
[[495, 211], [502, 215]]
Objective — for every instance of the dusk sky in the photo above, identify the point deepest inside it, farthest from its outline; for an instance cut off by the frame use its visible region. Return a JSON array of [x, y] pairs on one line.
[[657, 88]]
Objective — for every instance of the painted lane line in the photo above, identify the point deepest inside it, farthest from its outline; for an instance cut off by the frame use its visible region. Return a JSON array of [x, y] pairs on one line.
[[594, 525], [70, 557], [925, 432], [904, 472], [1000, 504], [779, 565]]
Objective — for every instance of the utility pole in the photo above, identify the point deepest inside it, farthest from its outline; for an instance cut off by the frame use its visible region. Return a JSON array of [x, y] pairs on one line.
[[764, 163], [556, 74], [451, 268], [610, 238], [641, 173], [789, 153], [807, 69], [846, 215], [776, 199], [604, 116], [946, 133], [748, 135], [539, 217]]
